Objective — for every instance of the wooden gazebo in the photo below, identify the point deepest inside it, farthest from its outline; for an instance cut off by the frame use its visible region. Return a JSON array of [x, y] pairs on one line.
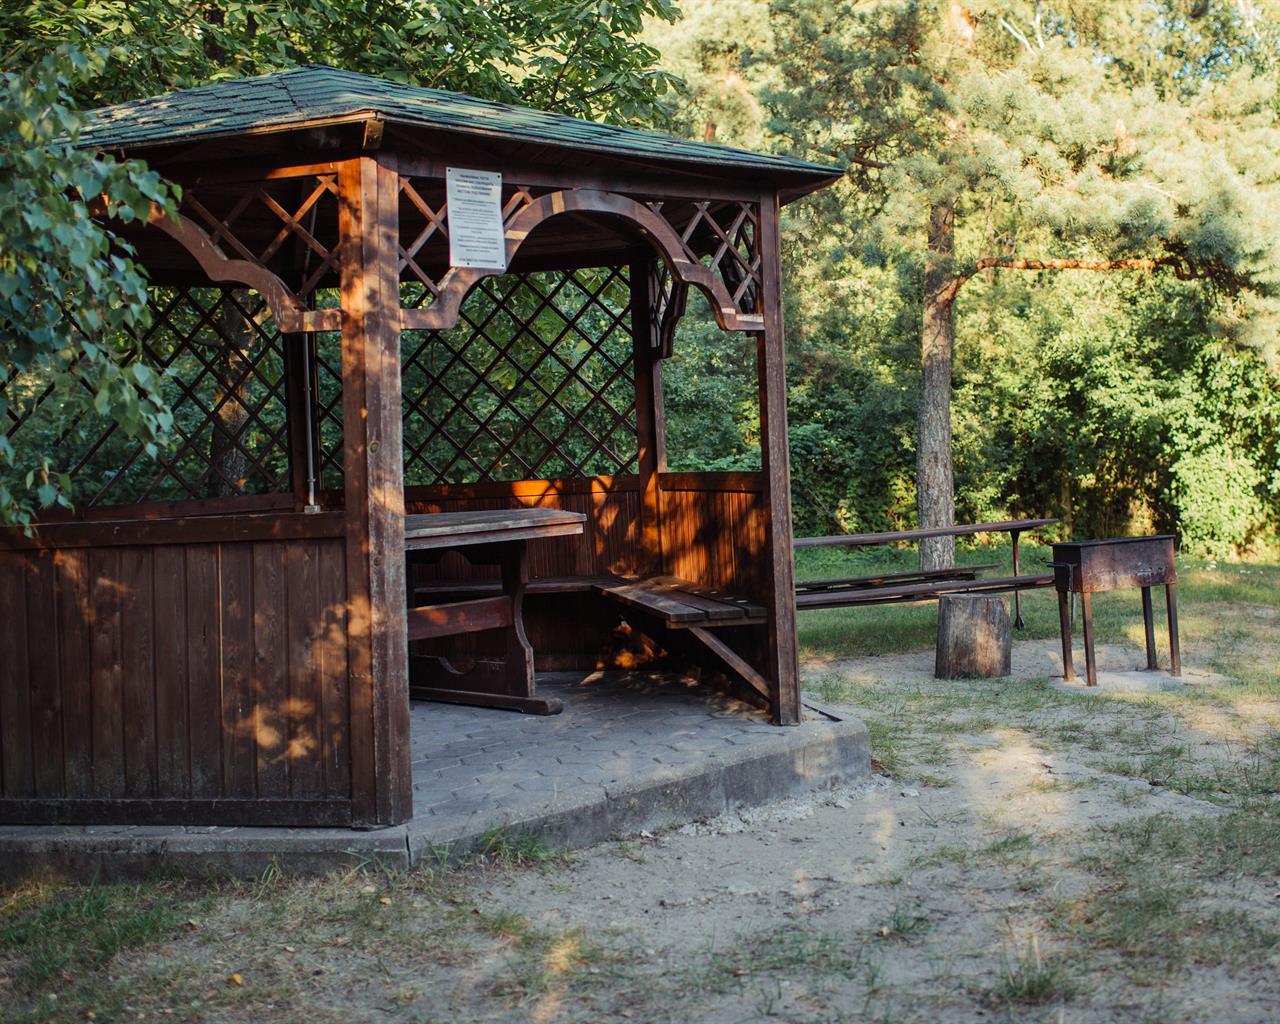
[[400, 471]]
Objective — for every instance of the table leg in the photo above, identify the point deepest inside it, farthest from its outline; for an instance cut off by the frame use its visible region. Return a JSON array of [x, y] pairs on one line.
[[519, 653], [504, 682], [1017, 594], [1090, 664], [1064, 624], [1175, 652], [1148, 625]]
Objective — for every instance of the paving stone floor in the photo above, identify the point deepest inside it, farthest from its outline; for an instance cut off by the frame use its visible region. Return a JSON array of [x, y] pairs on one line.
[[630, 751]]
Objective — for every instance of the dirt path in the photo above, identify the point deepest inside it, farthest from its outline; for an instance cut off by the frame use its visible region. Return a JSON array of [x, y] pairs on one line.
[[1020, 864]]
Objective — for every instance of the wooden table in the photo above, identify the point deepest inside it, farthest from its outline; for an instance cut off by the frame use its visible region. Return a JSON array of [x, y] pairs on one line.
[[491, 537], [920, 582]]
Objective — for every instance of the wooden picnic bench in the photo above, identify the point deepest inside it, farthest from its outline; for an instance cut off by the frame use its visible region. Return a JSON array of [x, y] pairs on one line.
[[921, 585], [487, 537], [686, 612]]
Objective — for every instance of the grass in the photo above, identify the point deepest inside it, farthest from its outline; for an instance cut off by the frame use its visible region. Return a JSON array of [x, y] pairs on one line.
[[508, 848], [244, 950], [1028, 979], [55, 933], [1152, 900], [784, 951], [905, 922]]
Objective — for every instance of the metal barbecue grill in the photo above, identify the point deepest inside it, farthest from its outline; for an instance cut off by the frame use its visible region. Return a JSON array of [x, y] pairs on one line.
[[1087, 567]]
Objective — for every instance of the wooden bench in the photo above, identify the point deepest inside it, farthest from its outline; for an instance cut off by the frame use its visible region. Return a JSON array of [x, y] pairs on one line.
[[921, 592], [685, 613], [925, 584], [489, 537], [678, 603]]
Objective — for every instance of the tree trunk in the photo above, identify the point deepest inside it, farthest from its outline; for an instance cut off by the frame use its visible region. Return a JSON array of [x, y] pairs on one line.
[[935, 493], [230, 465]]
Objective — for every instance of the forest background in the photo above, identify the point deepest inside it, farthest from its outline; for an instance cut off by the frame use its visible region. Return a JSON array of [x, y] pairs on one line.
[[1120, 401]]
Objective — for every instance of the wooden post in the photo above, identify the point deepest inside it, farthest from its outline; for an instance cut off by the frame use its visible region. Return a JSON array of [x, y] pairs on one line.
[[779, 568], [650, 415], [373, 474]]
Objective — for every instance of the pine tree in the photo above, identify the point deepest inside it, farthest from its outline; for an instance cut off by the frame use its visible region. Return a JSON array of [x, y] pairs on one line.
[[1108, 136]]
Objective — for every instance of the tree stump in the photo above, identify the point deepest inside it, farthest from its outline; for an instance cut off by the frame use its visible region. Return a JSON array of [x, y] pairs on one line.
[[974, 637]]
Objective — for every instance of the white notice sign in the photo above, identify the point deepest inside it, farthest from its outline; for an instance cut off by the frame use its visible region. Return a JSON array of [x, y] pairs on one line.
[[475, 219]]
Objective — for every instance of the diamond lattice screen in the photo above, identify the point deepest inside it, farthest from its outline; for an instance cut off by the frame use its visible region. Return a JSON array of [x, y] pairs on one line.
[[222, 361], [535, 382]]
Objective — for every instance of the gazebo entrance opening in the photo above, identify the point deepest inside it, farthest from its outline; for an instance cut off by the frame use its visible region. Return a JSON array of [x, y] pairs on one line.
[[393, 474]]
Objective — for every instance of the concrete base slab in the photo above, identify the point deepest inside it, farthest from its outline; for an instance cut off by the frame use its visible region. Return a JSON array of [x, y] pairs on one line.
[[630, 751]]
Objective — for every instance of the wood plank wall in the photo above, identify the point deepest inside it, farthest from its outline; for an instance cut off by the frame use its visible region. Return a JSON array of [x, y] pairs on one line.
[[712, 527], [609, 543], [175, 681]]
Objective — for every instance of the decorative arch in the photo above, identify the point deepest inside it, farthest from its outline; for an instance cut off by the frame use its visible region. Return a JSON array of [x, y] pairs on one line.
[[288, 311], [442, 313]]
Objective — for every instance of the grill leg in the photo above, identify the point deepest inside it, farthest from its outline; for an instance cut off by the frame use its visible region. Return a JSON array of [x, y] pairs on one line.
[[1175, 652], [1090, 663], [1148, 624], [1064, 624]]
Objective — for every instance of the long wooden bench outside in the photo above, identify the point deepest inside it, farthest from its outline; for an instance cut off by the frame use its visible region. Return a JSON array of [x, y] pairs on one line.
[[920, 585]]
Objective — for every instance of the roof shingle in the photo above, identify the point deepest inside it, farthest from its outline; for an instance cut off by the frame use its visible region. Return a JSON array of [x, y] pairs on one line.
[[316, 93]]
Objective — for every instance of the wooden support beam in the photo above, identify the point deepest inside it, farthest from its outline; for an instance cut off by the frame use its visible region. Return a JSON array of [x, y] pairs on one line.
[[381, 790], [650, 416], [431, 621], [733, 660], [304, 447], [503, 701], [779, 569]]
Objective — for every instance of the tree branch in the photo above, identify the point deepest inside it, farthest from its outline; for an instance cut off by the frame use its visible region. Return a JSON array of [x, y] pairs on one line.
[[1008, 27], [1181, 268], [863, 161]]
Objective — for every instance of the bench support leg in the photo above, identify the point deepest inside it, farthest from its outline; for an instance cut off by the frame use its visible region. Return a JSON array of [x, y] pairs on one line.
[[732, 659], [1017, 594]]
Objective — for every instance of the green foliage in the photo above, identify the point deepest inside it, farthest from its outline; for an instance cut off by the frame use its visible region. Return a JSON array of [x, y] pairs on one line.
[[55, 258], [72, 301], [579, 58], [1120, 401]]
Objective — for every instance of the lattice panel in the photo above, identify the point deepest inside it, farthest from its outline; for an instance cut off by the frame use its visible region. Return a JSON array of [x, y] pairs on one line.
[[223, 365], [536, 381], [725, 238], [288, 226]]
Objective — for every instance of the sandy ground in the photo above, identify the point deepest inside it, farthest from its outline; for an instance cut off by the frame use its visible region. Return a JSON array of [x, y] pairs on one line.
[[1024, 855], [910, 900]]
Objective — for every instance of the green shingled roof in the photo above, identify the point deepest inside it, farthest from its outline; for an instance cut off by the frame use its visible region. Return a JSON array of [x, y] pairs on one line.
[[315, 93]]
